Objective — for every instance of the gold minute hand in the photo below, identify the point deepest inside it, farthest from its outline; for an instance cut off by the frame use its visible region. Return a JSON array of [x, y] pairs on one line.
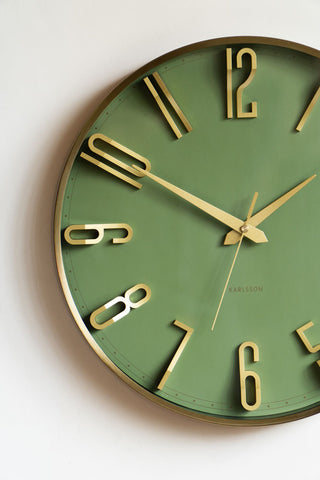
[[233, 237], [235, 223]]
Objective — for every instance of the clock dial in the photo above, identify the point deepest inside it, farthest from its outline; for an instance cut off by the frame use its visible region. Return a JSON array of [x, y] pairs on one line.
[[151, 212]]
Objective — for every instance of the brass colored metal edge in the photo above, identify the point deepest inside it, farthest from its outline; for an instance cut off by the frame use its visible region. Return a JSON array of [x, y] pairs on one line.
[[271, 420]]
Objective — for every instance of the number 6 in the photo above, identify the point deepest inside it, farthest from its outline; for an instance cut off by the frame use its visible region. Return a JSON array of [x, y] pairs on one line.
[[244, 374]]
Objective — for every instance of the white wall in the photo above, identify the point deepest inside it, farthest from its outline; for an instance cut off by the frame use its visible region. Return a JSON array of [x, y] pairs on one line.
[[63, 413]]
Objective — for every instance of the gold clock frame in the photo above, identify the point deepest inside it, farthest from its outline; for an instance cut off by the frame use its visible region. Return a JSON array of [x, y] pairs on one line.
[[57, 228]]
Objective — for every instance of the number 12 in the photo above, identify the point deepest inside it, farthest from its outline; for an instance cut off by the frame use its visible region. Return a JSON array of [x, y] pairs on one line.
[[240, 112]]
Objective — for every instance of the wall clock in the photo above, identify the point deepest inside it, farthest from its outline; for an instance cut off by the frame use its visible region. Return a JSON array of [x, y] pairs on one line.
[[187, 226]]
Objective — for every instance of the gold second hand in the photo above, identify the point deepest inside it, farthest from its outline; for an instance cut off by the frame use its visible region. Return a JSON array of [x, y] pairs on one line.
[[234, 260]]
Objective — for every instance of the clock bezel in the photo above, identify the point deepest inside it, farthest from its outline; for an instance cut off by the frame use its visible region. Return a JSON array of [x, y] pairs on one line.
[[57, 228]]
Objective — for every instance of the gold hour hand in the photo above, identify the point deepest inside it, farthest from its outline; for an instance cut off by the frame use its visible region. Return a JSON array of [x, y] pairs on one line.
[[235, 223], [233, 237]]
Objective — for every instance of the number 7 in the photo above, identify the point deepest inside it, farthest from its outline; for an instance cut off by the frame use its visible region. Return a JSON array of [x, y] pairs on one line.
[[176, 356]]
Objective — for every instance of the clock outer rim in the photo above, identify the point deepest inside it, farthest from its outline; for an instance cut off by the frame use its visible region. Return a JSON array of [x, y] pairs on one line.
[[271, 420]]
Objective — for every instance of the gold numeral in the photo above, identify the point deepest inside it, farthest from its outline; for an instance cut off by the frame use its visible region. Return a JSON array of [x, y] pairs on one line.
[[244, 374], [179, 351], [99, 228], [229, 83], [168, 96], [125, 300], [312, 349], [114, 160], [300, 331], [240, 113], [308, 110]]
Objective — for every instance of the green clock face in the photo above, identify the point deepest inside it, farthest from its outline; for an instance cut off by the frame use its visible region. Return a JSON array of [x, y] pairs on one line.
[[197, 291]]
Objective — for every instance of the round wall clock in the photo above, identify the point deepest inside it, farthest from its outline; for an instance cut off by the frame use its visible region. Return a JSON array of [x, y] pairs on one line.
[[186, 231]]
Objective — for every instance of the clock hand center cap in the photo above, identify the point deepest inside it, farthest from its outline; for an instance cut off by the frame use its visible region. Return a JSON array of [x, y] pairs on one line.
[[244, 228]]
